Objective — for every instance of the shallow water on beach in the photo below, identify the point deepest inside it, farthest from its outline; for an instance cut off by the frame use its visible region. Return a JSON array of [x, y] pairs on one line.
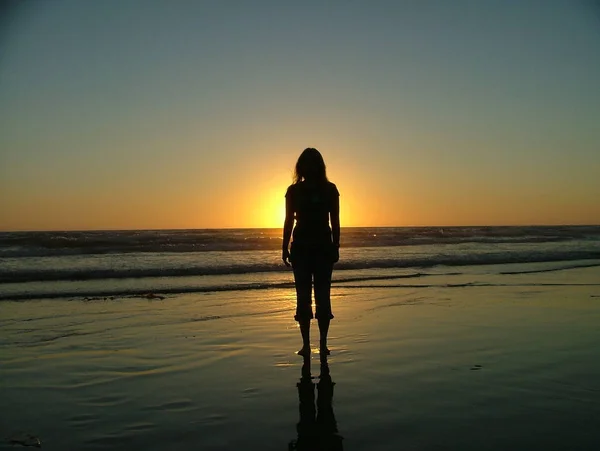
[[437, 367]]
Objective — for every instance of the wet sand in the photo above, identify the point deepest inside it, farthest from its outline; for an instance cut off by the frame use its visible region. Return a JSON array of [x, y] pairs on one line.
[[464, 367]]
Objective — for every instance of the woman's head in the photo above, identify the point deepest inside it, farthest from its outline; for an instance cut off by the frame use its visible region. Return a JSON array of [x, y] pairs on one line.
[[310, 166]]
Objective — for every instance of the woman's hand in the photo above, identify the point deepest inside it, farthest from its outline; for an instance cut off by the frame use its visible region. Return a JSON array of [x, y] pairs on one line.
[[285, 256], [336, 254]]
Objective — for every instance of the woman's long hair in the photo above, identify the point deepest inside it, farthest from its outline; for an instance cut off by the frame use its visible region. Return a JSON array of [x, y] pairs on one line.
[[310, 166]]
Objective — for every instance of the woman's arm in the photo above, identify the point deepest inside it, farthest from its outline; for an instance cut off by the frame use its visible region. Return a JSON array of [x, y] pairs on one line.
[[288, 225], [335, 221]]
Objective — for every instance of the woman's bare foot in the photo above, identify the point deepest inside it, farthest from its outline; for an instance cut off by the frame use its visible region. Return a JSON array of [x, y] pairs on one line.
[[304, 352]]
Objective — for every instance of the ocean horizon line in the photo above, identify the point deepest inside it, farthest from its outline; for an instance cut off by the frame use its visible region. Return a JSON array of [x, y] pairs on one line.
[[281, 228]]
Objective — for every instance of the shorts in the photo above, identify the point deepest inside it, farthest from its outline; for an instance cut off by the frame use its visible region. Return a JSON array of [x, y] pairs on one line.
[[312, 267]]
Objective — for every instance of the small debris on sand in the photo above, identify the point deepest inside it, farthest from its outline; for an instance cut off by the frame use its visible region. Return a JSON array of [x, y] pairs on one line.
[[25, 440]]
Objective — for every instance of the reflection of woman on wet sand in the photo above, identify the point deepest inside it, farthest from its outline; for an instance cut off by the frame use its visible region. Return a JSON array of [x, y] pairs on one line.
[[312, 201], [317, 428]]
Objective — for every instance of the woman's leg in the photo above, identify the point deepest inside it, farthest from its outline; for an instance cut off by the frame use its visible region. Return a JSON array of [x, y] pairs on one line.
[[303, 283], [323, 272], [323, 331], [305, 331]]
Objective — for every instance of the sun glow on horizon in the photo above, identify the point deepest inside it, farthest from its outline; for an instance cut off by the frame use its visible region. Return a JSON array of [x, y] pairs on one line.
[[271, 210]]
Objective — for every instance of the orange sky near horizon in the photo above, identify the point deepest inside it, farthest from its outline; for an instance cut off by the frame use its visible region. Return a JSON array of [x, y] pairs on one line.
[[368, 198]]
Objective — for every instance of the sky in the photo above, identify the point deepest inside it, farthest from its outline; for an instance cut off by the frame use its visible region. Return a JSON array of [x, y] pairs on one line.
[[145, 114]]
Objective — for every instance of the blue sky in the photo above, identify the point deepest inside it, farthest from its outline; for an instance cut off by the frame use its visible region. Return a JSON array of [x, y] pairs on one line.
[[157, 114]]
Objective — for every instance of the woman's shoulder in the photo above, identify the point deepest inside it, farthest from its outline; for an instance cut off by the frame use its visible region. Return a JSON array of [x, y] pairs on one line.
[[332, 188], [303, 186], [291, 189]]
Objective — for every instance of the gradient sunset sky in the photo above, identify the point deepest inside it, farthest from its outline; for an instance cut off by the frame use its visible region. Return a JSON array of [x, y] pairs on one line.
[[191, 114]]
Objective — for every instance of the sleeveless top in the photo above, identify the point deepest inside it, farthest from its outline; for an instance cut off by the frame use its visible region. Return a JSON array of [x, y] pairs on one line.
[[311, 203]]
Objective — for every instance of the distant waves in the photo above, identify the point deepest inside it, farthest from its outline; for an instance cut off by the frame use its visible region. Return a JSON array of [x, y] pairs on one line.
[[39, 244]]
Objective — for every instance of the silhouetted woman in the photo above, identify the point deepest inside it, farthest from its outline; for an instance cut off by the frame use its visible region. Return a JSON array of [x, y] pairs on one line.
[[313, 202]]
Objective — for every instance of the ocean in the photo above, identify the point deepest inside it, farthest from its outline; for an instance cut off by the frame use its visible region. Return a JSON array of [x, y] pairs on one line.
[[159, 263]]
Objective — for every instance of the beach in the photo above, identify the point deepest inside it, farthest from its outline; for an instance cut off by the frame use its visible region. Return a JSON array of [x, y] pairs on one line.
[[482, 361]]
